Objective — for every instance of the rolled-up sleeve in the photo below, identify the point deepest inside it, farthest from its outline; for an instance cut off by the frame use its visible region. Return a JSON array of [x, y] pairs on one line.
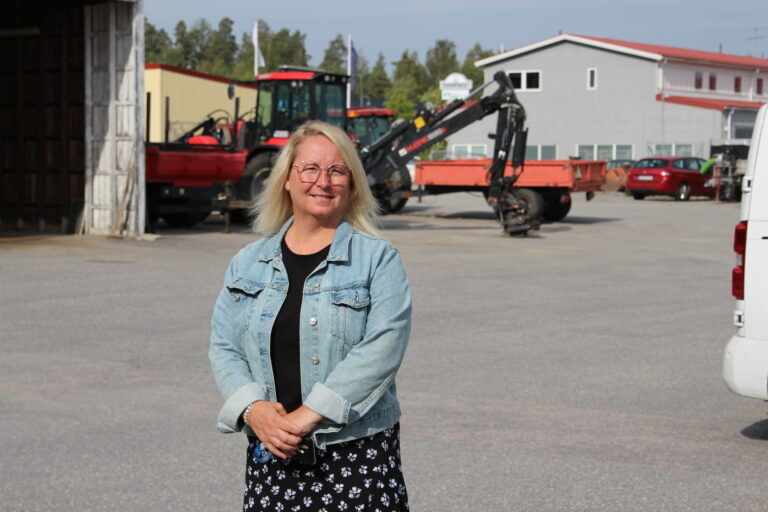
[[228, 360], [369, 369]]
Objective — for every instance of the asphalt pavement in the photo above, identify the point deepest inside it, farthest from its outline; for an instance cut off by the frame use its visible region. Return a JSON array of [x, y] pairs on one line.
[[575, 369]]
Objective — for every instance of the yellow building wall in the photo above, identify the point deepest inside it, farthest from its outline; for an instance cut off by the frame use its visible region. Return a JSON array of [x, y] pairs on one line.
[[191, 97]]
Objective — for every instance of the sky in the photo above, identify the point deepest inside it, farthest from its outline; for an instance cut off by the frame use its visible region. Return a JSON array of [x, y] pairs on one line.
[[393, 26]]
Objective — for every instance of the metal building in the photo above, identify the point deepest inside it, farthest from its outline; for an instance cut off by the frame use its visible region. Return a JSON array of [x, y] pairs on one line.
[[71, 140]]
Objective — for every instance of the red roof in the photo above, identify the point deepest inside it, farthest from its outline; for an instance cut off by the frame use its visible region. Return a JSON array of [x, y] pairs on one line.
[[198, 74], [711, 104], [686, 54]]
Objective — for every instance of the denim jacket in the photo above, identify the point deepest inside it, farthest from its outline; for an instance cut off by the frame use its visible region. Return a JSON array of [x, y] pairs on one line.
[[355, 323]]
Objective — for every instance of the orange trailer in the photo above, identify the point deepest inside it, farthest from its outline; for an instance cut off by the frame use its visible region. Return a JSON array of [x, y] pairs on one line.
[[546, 185]]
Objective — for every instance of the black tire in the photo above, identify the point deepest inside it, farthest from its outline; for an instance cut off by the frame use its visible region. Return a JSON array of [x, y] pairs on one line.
[[254, 178], [390, 205], [533, 200], [638, 196], [555, 210], [185, 220], [683, 192]]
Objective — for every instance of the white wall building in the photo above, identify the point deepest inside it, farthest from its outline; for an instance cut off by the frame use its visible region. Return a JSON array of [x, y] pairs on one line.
[[602, 98]]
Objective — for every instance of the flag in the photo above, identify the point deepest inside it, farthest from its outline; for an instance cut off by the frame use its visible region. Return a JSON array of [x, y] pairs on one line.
[[352, 65], [258, 58]]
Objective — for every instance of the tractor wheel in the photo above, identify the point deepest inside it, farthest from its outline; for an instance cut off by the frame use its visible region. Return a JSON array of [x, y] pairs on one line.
[[555, 210], [254, 178], [390, 205], [683, 192]]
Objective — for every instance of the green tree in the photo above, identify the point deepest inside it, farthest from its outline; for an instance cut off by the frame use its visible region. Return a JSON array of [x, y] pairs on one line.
[[377, 82], [469, 69], [409, 67], [441, 61], [335, 57], [243, 68], [218, 50], [284, 47], [157, 44], [401, 98]]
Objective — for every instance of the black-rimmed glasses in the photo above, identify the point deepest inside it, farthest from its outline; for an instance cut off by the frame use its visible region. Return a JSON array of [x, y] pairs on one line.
[[309, 172]]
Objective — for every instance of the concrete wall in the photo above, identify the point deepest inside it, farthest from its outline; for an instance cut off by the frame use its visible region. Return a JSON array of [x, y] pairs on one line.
[[622, 110], [114, 133]]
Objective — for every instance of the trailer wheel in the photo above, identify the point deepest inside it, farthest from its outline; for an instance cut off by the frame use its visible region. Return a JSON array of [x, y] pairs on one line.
[[555, 210], [533, 200]]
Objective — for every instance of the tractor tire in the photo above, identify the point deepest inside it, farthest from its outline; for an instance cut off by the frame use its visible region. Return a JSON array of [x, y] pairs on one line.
[[390, 205], [533, 200], [254, 178], [185, 220], [555, 210], [683, 192]]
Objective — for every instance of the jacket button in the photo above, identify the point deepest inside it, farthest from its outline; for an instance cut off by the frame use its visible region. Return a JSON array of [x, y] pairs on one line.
[[315, 360], [313, 321], [317, 284]]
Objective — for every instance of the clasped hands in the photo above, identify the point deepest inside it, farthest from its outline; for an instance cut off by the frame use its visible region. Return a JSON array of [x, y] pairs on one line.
[[280, 431]]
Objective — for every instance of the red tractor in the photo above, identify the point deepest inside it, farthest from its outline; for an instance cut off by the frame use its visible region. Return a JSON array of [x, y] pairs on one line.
[[286, 99]]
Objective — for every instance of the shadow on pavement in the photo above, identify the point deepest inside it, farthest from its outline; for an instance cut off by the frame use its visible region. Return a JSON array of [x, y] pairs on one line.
[[757, 430]]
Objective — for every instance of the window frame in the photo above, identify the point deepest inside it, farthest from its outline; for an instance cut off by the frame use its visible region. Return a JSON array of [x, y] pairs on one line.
[[712, 81], [591, 79], [737, 83], [524, 79], [698, 80], [759, 86]]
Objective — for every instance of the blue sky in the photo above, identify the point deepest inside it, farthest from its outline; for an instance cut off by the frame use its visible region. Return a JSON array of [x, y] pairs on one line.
[[392, 26]]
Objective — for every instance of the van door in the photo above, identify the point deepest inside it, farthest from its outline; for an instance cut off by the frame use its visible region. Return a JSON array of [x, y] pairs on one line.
[[755, 211]]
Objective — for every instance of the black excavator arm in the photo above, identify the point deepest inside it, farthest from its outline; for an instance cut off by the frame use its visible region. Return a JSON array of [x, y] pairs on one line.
[[385, 159]]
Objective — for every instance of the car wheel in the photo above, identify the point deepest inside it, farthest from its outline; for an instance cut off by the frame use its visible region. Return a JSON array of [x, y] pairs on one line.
[[639, 196], [683, 192]]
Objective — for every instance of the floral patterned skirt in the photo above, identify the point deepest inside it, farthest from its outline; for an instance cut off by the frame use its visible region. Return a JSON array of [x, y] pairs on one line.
[[360, 475]]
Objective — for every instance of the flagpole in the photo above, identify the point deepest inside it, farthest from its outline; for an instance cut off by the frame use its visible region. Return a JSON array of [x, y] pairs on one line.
[[255, 39], [349, 70]]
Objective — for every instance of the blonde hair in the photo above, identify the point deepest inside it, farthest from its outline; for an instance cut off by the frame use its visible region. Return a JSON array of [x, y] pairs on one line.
[[273, 206]]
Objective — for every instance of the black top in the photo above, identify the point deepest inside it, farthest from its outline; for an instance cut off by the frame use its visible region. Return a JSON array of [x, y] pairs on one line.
[[284, 343]]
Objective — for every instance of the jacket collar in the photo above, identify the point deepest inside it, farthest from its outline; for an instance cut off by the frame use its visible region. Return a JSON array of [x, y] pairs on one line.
[[339, 250]]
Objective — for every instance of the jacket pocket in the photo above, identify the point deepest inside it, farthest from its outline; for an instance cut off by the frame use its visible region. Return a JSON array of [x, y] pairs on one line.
[[349, 308], [241, 288]]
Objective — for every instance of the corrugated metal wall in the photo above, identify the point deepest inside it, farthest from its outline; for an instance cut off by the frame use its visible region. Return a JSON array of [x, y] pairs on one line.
[[41, 129], [191, 97]]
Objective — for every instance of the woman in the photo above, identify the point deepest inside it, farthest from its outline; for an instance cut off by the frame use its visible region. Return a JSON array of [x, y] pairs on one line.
[[308, 333]]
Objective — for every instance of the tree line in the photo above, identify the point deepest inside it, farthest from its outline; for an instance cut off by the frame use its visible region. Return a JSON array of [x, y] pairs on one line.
[[201, 47]]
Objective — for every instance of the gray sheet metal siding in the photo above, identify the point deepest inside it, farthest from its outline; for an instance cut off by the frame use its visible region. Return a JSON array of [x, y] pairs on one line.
[[42, 129], [622, 110]]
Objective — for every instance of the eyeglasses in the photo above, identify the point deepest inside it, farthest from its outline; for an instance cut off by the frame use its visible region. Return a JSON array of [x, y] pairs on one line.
[[309, 172]]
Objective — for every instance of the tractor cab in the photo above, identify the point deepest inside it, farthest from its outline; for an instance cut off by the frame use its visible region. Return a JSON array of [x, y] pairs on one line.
[[367, 124], [290, 97]]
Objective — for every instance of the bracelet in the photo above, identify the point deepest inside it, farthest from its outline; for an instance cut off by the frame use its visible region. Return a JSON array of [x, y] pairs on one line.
[[247, 413]]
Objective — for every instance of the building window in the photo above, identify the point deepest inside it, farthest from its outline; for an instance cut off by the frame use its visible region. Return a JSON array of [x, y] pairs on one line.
[[760, 86], [742, 131], [469, 151], [698, 80], [623, 152], [737, 84], [604, 151], [526, 80], [591, 79], [548, 153], [586, 151], [540, 152], [713, 81], [671, 150]]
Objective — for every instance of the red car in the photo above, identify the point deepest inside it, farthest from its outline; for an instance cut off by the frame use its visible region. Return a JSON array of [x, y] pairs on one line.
[[676, 176]]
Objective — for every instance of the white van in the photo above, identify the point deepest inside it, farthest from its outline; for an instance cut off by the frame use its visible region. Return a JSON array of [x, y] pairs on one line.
[[745, 362]]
